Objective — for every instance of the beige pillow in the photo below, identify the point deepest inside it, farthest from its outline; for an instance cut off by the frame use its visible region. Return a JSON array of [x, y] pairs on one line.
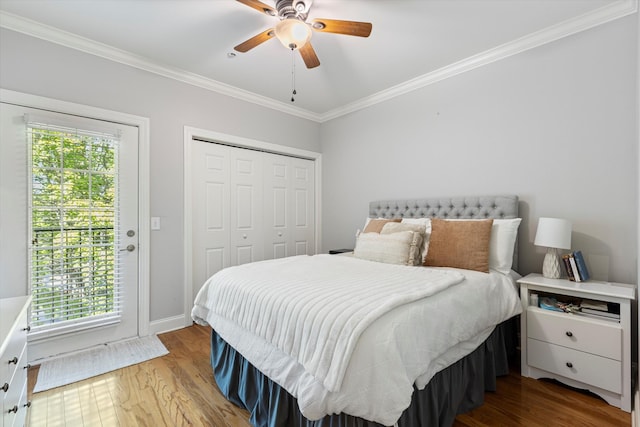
[[395, 248], [416, 254], [426, 223], [459, 244], [375, 225]]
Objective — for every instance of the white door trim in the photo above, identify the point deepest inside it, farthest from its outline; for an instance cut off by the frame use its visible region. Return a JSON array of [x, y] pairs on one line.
[[189, 134], [143, 125]]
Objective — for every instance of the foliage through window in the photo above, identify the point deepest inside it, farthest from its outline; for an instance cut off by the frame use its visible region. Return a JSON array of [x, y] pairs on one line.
[[73, 215]]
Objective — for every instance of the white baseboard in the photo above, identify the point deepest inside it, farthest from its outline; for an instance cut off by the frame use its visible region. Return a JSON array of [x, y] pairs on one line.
[[167, 324]]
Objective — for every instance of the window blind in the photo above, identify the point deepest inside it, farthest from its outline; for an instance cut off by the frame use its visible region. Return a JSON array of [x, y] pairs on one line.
[[73, 211]]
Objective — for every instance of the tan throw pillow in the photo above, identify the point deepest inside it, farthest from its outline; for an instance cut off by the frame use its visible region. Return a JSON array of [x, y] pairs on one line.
[[459, 244], [375, 225], [416, 256]]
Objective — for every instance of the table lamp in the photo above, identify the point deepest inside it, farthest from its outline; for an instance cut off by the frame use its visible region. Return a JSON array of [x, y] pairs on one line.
[[553, 233]]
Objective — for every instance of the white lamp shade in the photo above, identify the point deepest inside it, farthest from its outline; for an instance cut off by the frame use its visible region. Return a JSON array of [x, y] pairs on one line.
[[553, 233], [292, 33]]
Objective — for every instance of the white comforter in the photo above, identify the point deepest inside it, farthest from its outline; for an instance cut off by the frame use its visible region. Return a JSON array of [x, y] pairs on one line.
[[363, 371]]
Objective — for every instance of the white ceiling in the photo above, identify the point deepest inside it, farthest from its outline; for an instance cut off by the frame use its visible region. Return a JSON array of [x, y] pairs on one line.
[[412, 42]]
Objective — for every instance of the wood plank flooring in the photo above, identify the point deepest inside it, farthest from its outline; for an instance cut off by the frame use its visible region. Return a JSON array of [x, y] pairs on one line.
[[178, 390]]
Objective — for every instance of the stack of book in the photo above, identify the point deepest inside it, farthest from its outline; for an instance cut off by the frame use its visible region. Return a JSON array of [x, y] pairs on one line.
[[600, 310], [575, 267]]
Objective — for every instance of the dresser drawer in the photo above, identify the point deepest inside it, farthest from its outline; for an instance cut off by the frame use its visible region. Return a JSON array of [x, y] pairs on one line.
[[17, 340], [13, 347], [602, 338], [15, 397], [577, 365]]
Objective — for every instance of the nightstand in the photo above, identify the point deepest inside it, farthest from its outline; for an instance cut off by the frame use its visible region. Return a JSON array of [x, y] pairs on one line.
[[339, 251], [580, 351]]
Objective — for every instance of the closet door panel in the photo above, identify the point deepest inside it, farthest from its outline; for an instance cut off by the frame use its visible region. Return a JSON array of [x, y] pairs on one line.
[[210, 215], [246, 235], [302, 209], [277, 175]]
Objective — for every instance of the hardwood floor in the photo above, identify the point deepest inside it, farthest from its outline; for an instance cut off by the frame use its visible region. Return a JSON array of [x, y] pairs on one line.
[[178, 390]]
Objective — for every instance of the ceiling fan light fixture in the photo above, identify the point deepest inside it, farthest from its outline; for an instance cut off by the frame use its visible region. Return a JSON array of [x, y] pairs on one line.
[[293, 33]]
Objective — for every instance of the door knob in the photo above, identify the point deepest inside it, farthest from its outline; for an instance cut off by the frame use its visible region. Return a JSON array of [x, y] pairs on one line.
[[129, 248]]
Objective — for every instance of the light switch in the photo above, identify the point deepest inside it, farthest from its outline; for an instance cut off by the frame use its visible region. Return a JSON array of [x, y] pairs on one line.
[[155, 223]]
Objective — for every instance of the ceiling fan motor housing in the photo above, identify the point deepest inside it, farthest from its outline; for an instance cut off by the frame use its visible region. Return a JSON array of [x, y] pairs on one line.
[[297, 9]]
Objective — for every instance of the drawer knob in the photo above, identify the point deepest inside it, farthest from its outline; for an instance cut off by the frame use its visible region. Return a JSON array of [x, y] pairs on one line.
[[5, 387], [27, 366], [569, 365], [569, 333], [14, 409], [28, 328], [27, 405], [14, 360]]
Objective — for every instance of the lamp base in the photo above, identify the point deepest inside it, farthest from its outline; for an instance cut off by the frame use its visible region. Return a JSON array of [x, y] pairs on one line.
[[551, 265]]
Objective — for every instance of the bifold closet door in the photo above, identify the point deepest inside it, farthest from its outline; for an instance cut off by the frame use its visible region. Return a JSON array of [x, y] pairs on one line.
[[226, 208], [289, 206], [248, 206]]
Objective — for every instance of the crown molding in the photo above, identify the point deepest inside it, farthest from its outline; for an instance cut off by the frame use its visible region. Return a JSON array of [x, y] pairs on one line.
[[563, 29], [615, 10], [36, 29]]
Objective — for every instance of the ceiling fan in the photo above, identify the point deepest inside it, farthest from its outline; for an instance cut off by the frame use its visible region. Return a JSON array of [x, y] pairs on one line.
[[294, 32]]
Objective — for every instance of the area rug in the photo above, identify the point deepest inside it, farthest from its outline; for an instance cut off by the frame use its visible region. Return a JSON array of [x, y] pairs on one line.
[[97, 361]]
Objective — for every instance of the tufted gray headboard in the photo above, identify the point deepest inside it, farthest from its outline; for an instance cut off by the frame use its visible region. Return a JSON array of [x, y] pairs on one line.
[[471, 207]]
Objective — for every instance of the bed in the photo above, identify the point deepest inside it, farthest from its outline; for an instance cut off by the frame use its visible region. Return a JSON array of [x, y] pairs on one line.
[[374, 338]]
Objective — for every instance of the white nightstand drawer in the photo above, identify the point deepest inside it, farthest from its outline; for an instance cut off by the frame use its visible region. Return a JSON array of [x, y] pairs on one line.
[[599, 337], [576, 365]]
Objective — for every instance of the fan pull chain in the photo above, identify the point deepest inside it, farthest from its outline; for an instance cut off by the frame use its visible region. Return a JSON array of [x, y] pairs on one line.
[[293, 75]]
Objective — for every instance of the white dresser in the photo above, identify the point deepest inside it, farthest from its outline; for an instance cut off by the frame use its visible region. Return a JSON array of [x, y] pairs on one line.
[[13, 360], [583, 352]]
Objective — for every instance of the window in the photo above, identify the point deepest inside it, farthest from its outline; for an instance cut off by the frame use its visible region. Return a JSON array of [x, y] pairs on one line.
[[73, 221]]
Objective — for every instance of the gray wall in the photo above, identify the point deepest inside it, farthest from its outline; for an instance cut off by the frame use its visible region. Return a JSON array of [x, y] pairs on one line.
[[556, 125], [37, 67]]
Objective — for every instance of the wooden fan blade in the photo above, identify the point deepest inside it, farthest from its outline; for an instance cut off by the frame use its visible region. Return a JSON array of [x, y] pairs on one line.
[[309, 56], [350, 28], [255, 40], [259, 6]]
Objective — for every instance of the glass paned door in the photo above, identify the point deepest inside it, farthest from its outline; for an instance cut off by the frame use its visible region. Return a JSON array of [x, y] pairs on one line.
[[69, 226]]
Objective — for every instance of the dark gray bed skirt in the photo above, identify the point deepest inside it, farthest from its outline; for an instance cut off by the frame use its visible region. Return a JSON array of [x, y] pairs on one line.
[[455, 390]]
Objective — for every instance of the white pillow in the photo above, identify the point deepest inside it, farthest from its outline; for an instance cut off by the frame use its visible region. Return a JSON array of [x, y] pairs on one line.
[[426, 224], [395, 248], [502, 243]]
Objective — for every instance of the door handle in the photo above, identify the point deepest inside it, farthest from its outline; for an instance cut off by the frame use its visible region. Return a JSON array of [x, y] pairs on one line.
[[129, 248]]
